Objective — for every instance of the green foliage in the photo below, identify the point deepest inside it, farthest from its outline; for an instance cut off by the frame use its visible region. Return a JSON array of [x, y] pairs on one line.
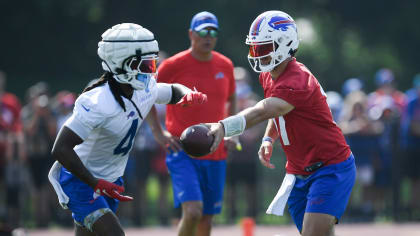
[[57, 40]]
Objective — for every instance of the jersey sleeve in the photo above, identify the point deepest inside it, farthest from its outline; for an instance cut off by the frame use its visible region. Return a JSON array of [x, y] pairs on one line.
[[297, 91], [297, 98], [164, 93], [165, 72], [86, 116]]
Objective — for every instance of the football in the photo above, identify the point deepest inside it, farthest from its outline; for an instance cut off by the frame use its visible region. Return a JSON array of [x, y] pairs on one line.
[[195, 141]]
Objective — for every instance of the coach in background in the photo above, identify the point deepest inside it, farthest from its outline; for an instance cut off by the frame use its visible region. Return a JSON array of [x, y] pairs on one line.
[[198, 183]]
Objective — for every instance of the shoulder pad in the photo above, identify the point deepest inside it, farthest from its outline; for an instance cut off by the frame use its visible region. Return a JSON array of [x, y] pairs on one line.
[[99, 100]]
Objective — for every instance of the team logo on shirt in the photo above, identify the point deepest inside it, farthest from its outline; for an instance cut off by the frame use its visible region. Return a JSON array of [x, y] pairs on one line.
[[86, 109], [131, 114], [219, 75]]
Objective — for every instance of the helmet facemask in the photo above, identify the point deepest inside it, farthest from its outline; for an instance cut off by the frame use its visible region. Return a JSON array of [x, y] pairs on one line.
[[258, 52], [139, 70]]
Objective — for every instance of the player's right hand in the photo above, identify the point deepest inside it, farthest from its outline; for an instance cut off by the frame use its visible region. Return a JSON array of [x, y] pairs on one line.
[[193, 98], [217, 130], [111, 190], [264, 154]]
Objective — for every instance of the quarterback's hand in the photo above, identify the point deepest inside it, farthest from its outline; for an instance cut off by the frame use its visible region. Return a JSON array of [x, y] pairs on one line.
[[111, 190], [192, 98], [264, 154], [217, 130]]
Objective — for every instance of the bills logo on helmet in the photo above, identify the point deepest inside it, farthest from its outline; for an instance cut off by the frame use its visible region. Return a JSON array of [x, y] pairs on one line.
[[282, 23], [256, 26]]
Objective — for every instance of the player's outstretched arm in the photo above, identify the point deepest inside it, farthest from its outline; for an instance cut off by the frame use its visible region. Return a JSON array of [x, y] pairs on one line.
[[235, 125], [179, 94]]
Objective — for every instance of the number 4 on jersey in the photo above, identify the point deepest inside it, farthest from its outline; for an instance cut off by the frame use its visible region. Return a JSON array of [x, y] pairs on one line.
[[129, 136]]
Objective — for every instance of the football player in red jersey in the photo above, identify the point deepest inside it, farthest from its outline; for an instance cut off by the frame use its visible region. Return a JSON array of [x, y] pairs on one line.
[[320, 169]]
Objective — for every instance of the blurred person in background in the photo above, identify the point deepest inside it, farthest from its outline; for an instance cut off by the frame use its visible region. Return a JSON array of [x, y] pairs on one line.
[[62, 107], [361, 134], [242, 164], [387, 163], [351, 85], [198, 183], [320, 169], [335, 102], [385, 105], [385, 82], [63, 104], [412, 93], [40, 130], [12, 157], [410, 130], [92, 147]]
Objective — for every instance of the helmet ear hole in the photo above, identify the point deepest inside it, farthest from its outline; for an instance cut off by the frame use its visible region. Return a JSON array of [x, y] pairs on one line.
[[276, 46], [120, 71], [138, 52], [292, 52]]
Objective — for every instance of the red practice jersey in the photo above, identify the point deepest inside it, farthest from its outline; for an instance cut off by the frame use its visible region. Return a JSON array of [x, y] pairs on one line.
[[214, 78], [308, 133], [9, 119]]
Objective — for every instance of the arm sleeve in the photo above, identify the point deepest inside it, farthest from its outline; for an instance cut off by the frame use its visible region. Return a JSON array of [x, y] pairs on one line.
[[164, 94], [78, 127]]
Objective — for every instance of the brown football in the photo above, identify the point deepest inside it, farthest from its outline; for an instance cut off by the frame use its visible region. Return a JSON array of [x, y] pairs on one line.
[[195, 141]]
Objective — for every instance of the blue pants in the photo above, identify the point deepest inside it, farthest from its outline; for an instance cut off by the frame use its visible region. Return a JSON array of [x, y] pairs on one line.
[[197, 180], [325, 191], [81, 201]]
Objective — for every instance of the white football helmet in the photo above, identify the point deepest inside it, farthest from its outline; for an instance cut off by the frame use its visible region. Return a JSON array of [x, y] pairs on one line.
[[272, 34], [130, 52]]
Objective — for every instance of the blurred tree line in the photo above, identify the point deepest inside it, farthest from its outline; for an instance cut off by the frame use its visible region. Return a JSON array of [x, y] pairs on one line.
[[56, 40]]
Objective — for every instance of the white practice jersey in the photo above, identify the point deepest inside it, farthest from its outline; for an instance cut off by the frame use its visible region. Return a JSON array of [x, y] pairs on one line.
[[107, 131]]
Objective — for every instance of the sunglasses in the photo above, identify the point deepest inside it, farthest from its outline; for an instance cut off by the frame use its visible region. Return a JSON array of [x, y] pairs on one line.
[[260, 50], [143, 65], [204, 32]]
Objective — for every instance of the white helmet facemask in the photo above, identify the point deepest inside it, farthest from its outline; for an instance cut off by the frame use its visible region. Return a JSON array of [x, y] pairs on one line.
[[129, 51], [272, 38]]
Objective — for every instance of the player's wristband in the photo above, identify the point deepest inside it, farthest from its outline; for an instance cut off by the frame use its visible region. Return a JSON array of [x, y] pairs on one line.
[[267, 138], [234, 125]]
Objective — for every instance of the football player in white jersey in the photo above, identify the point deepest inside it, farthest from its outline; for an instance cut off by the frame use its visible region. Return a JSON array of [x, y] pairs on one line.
[[92, 147]]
